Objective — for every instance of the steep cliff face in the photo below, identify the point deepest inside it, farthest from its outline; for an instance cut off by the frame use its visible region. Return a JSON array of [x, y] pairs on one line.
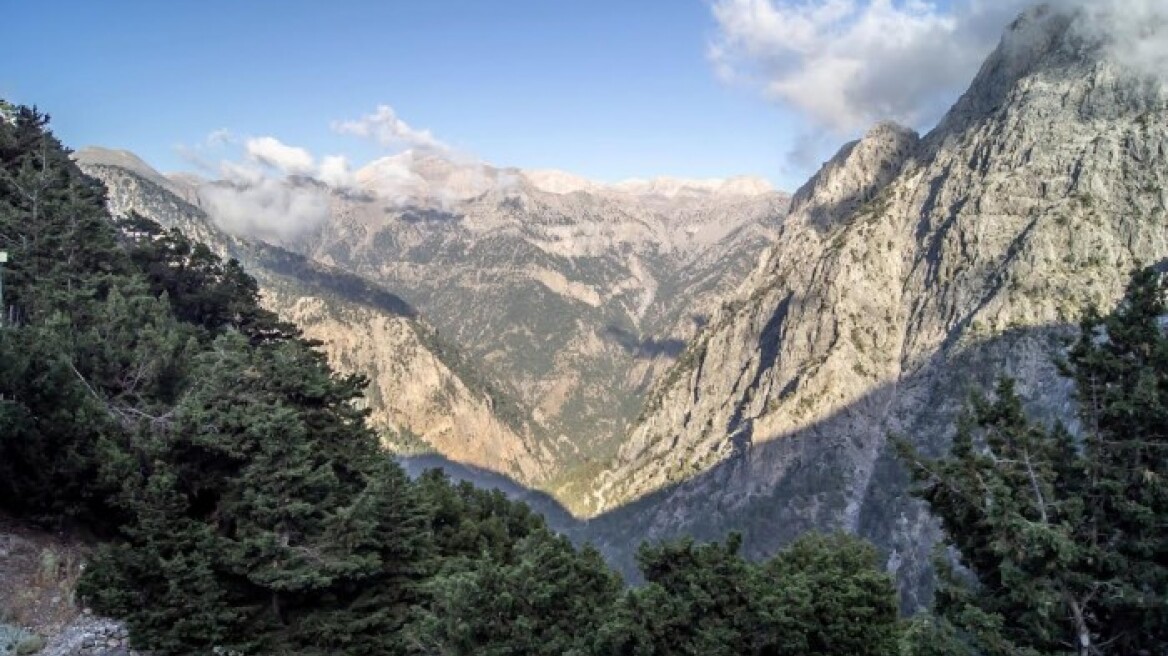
[[908, 270], [412, 389], [423, 394], [703, 413]]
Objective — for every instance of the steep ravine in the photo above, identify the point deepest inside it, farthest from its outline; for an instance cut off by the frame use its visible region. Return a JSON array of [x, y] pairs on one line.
[[423, 394], [579, 295]]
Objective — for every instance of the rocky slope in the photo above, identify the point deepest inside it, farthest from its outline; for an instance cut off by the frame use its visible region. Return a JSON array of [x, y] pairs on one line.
[[39, 613], [909, 270], [424, 394], [577, 293]]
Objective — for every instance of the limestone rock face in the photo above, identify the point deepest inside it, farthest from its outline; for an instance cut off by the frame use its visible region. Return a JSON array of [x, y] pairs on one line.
[[410, 386], [908, 271]]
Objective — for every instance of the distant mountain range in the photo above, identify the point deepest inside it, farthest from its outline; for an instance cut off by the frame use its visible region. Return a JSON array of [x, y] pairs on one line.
[[568, 296]]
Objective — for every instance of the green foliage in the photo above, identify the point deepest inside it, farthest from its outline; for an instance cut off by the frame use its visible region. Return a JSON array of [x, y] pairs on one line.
[[147, 395], [268, 497], [547, 601], [1061, 539], [823, 595], [468, 523], [925, 635], [84, 349], [201, 288]]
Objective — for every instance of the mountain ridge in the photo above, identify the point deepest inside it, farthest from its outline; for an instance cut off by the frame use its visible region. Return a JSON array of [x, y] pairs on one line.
[[902, 279]]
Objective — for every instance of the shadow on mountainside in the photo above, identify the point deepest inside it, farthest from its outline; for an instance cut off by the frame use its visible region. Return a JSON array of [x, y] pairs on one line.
[[344, 285], [557, 516], [838, 473], [644, 348]]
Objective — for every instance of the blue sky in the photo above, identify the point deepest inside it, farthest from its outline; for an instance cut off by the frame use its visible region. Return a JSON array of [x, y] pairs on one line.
[[609, 89]]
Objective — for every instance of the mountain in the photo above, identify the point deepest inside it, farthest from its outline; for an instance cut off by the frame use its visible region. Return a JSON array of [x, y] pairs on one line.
[[424, 394], [910, 271], [577, 294]]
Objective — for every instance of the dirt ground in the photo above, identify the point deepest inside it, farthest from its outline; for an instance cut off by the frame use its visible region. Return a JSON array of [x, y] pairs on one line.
[[38, 576]]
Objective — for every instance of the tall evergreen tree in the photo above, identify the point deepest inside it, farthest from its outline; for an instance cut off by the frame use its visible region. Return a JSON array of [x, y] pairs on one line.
[[202, 289], [1120, 367], [276, 486], [1062, 540], [470, 523]]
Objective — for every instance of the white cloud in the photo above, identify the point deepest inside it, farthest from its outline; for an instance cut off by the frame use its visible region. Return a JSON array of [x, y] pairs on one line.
[[220, 137], [268, 208], [242, 174], [845, 64], [334, 171], [200, 154], [270, 151], [257, 194], [385, 127], [1134, 31]]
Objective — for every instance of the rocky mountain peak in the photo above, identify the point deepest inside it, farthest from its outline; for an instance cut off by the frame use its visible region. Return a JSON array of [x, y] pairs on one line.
[[96, 156], [854, 175], [1086, 56], [421, 177], [679, 187], [558, 182]]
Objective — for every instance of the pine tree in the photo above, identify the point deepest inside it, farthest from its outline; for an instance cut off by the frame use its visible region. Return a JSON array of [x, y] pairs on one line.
[[86, 348], [315, 538], [471, 523], [1120, 367], [1061, 540], [822, 595], [828, 594], [202, 289], [547, 601]]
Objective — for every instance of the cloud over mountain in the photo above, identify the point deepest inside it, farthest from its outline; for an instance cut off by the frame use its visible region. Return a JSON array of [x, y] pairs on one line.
[[335, 171], [274, 190], [845, 64], [388, 129], [1133, 30], [249, 201], [270, 151], [264, 187]]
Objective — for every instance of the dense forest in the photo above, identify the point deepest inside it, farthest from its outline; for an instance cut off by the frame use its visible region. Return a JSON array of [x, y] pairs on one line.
[[241, 504]]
